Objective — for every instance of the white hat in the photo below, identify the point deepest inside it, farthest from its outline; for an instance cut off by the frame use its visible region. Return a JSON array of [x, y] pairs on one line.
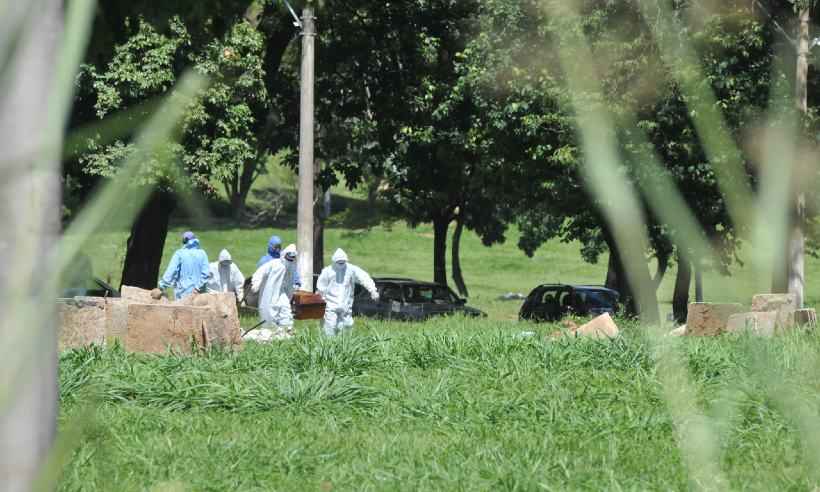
[[224, 256]]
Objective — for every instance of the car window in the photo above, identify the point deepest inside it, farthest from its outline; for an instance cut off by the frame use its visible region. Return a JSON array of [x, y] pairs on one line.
[[565, 298], [600, 299], [441, 295], [418, 293], [390, 292], [549, 296]]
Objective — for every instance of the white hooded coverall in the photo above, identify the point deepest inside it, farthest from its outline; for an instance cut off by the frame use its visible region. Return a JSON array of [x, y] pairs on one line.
[[225, 276], [275, 279], [336, 285]]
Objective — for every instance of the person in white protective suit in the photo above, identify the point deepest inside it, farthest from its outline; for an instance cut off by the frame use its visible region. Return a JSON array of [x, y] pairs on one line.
[[336, 285], [226, 276], [275, 279]]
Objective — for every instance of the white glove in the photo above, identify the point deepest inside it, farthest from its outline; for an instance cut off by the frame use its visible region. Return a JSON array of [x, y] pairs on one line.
[[375, 296]]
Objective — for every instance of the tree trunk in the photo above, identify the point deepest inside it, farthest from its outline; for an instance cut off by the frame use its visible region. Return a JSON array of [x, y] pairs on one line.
[[250, 171], [30, 131], [440, 226], [143, 257], [456, 260], [698, 282], [628, 292], [680, 299], [663, 265], [620, 283], [612, 273], [237, 205]]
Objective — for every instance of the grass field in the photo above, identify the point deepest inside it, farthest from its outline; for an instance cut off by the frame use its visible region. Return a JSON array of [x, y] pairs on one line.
[[451, 405], [400, 250]]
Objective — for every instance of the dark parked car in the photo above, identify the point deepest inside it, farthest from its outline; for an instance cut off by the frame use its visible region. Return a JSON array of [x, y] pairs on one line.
[[551, 302], [410, 300]]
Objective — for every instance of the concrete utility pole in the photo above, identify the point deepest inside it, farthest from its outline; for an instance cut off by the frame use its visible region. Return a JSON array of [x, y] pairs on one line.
[[796, 250], [304, 227]]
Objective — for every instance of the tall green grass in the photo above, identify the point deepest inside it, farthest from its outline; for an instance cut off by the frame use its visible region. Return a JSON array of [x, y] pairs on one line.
[[455, 405]]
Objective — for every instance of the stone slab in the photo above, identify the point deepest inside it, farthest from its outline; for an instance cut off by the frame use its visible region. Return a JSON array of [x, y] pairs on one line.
[[157, 328], [116, 320], [758, 323], [223, 324], [762, 323], [709, 319], [600, 327], [774, 302], [141, 296], [81, 322]]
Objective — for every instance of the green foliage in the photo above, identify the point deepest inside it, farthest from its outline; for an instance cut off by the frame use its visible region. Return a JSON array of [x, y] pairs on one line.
[[529, 100], [220, 128]]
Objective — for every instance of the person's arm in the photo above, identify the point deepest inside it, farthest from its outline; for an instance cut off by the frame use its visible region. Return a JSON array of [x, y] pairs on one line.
[[238, 280], [322, 283], [204, 272], [171, 273], [362, 278], [297, 280], [259, 277], [213, 277]]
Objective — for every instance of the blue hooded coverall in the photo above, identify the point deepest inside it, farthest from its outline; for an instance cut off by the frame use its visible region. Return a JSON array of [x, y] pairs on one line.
[[274, 254], [188, 271]]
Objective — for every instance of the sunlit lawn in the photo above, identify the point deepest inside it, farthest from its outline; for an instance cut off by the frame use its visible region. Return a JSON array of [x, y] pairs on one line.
[[400, 250]]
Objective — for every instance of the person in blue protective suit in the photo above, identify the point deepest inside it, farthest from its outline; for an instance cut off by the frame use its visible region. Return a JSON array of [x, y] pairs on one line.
[[188, 271], [274, 253]]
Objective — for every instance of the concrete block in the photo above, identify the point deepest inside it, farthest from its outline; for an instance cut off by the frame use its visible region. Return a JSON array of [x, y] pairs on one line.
[[81, 322], [709, 319], [600, 327], [758, 323], [762, 323], [116, 320], [156, 328], [774, 302], [223, 324], [141, 296]]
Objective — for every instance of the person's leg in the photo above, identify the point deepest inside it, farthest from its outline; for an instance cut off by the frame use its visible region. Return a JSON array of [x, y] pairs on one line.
[[330, 321], [284, 322], [346, 321]]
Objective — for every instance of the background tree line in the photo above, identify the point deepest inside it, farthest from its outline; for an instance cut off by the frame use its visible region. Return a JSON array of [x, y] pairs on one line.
[[458, 112]]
